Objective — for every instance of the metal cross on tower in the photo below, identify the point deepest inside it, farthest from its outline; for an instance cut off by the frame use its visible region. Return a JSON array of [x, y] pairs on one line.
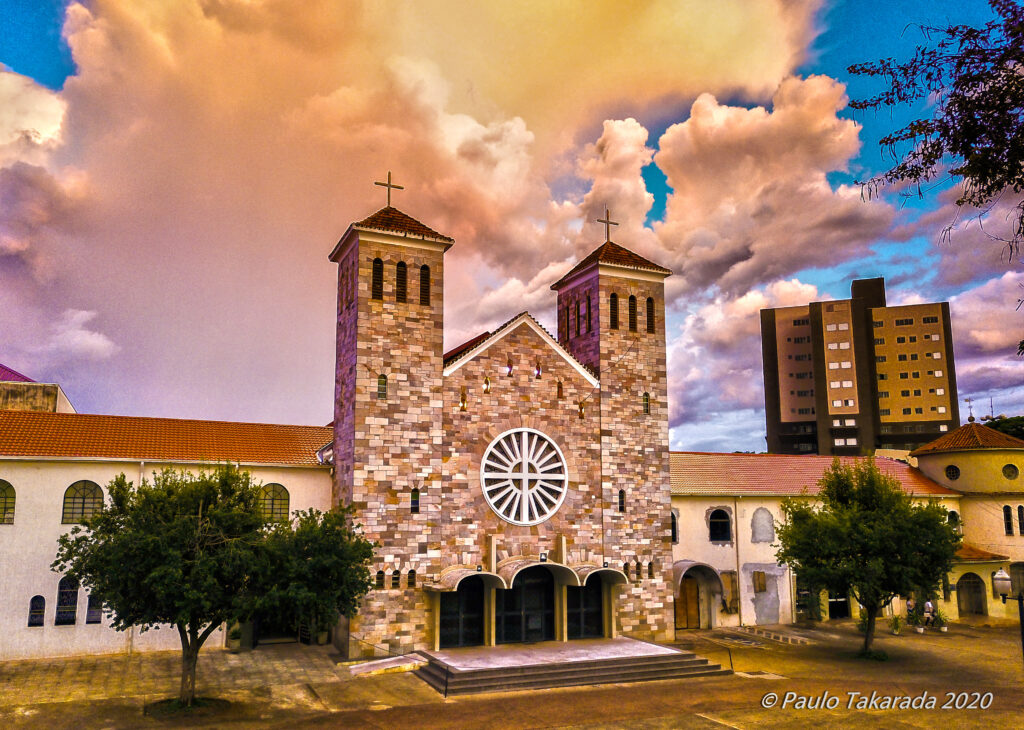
[[608, 222], [389, 186]]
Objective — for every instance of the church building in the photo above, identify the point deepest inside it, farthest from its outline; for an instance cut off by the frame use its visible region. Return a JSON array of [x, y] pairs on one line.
[[518, 485]]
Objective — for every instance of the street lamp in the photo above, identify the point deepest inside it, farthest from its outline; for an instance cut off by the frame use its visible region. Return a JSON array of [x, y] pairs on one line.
[[1002, 584]]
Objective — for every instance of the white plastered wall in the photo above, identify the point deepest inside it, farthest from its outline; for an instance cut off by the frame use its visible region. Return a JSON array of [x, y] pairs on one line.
[[28, 546]]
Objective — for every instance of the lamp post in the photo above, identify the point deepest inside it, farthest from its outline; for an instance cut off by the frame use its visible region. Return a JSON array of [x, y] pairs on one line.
[[1003, 585]]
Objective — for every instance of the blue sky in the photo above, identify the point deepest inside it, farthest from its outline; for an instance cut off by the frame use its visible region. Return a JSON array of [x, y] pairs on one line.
[[185, 140]]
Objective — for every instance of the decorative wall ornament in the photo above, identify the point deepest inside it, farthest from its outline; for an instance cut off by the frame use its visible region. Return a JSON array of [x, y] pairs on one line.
[[524, 476]]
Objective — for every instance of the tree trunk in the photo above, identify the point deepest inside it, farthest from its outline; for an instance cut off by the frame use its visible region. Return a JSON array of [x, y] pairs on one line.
[[869, 632], [187, 693]]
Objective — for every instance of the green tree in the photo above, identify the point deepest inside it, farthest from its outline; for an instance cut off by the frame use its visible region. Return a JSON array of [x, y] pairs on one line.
[[973, 82], [195, 552], [867, 537], [1012, 426]]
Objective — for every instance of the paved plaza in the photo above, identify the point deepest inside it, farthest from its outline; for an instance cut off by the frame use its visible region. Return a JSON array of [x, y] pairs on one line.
[[300, 686]]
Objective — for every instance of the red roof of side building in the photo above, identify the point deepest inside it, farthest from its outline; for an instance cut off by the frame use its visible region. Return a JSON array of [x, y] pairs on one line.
[[612, 253], [454, 353], [8, 375], [77, 435], [969, 437], [774, 475], [393, 220]]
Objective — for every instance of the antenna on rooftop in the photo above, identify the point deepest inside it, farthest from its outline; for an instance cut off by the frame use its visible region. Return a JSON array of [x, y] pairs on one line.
[[970, 409]]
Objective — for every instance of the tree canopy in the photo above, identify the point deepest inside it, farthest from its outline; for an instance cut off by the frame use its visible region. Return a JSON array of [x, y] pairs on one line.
[[974, 80], [195, 552], [1012, 426], [867, 537]]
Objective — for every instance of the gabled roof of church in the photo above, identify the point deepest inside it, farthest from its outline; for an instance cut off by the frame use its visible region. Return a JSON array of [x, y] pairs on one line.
[[771, 475], [85, 436], [13, 376], [468, 350], [392, 220], [613, 254], [969, 437]]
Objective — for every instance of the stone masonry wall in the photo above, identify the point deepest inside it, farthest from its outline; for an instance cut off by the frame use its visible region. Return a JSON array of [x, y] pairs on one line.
[[634, 454], [397, 440]]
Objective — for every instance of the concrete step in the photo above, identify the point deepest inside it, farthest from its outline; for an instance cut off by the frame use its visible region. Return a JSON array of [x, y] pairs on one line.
[[567, 674]]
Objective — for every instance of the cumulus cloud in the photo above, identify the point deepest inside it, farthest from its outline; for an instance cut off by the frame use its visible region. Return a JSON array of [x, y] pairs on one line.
[[30, 118], [984, 318], [72, 339], [751, 201]]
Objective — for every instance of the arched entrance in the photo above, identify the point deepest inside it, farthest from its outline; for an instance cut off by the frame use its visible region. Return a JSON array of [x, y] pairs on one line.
[[970, 595], [585, 609], [462, 614], [695, 598], [526, 611]]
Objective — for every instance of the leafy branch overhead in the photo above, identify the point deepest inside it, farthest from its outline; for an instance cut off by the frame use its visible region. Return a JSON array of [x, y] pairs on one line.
[[973, 80]]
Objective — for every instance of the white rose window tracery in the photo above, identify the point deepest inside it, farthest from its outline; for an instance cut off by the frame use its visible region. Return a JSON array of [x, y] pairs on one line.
[[523, 476]]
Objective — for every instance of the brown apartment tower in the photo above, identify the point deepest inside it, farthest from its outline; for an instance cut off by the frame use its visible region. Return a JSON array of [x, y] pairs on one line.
[[850, 376]]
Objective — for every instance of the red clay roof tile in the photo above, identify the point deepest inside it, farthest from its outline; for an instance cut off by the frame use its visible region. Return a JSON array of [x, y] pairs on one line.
[[395, 221], [78, 435], [610, 252], [695, 473], [970, 436]]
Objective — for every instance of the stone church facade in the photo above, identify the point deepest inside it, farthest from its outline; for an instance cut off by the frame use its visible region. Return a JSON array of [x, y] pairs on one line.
[[517, 486]]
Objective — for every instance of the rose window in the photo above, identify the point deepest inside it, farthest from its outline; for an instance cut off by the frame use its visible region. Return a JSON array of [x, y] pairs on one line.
[[523, 476]]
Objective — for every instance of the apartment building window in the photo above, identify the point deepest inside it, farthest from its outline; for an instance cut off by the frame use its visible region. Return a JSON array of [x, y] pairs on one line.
[[913, 338], [847, 383], [883, 376], [805, 411], [834, 384], [901, 358], [846, 364], [940, 391], [943, 428], [883, 394], [905, 322], [850, 422], [801, 322], [837, 422], [830, 328], [837, 403], [877, 323], [802, 376], [919, 411], [880, 358], [804, 393], [930, 320], [937, 355], [833, 345], [805, 357], [879, 340], [913, 356], [938, 373], [839, 442], [848, 403], [906, 411], [800, 340], [844, 345], [916, 374], [942, 409], [843, 326], [900, 340], [883, 411], [904, 393], [904, 376]]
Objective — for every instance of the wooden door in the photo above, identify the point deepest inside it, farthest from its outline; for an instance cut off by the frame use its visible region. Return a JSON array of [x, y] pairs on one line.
[[688, 604]]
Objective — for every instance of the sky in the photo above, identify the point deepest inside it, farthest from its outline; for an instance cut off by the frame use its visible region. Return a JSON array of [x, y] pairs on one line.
[[173, 175]]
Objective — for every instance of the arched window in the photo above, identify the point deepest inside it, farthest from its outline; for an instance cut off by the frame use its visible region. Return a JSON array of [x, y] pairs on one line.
[[579, 320], [94, 610], [589, 323], [626, 569], [36, 611], [632, 313], [67, 601], [6, 503], [401, 282], [613, 311], [425, 285], [675, 528], [719, 526], [647, 403], [1008, 519], [274, 503], [377, 280], [396, 580], [487, 384], [379, 582], [650, 570], [622, 500], [650, 315], [559, 392], [639, 571], [414, 502], [382, 387], [463, 399], [411, 582], [1020, 519], [82, 500]]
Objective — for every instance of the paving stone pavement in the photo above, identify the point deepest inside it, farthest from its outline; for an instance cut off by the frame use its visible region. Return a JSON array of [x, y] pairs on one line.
[[158, 673]]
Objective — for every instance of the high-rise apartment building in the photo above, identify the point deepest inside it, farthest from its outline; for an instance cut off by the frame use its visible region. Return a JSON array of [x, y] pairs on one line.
[[853, 375]]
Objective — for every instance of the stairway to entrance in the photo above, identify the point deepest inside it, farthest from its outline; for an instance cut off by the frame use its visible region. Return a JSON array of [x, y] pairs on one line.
[[558, 664]]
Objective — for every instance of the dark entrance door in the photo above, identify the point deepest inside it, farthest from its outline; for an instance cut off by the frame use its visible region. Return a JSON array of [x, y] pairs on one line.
[[526, 611], [688, 604], [585, 607], [462, 614], [838, 605], [970, 595]]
